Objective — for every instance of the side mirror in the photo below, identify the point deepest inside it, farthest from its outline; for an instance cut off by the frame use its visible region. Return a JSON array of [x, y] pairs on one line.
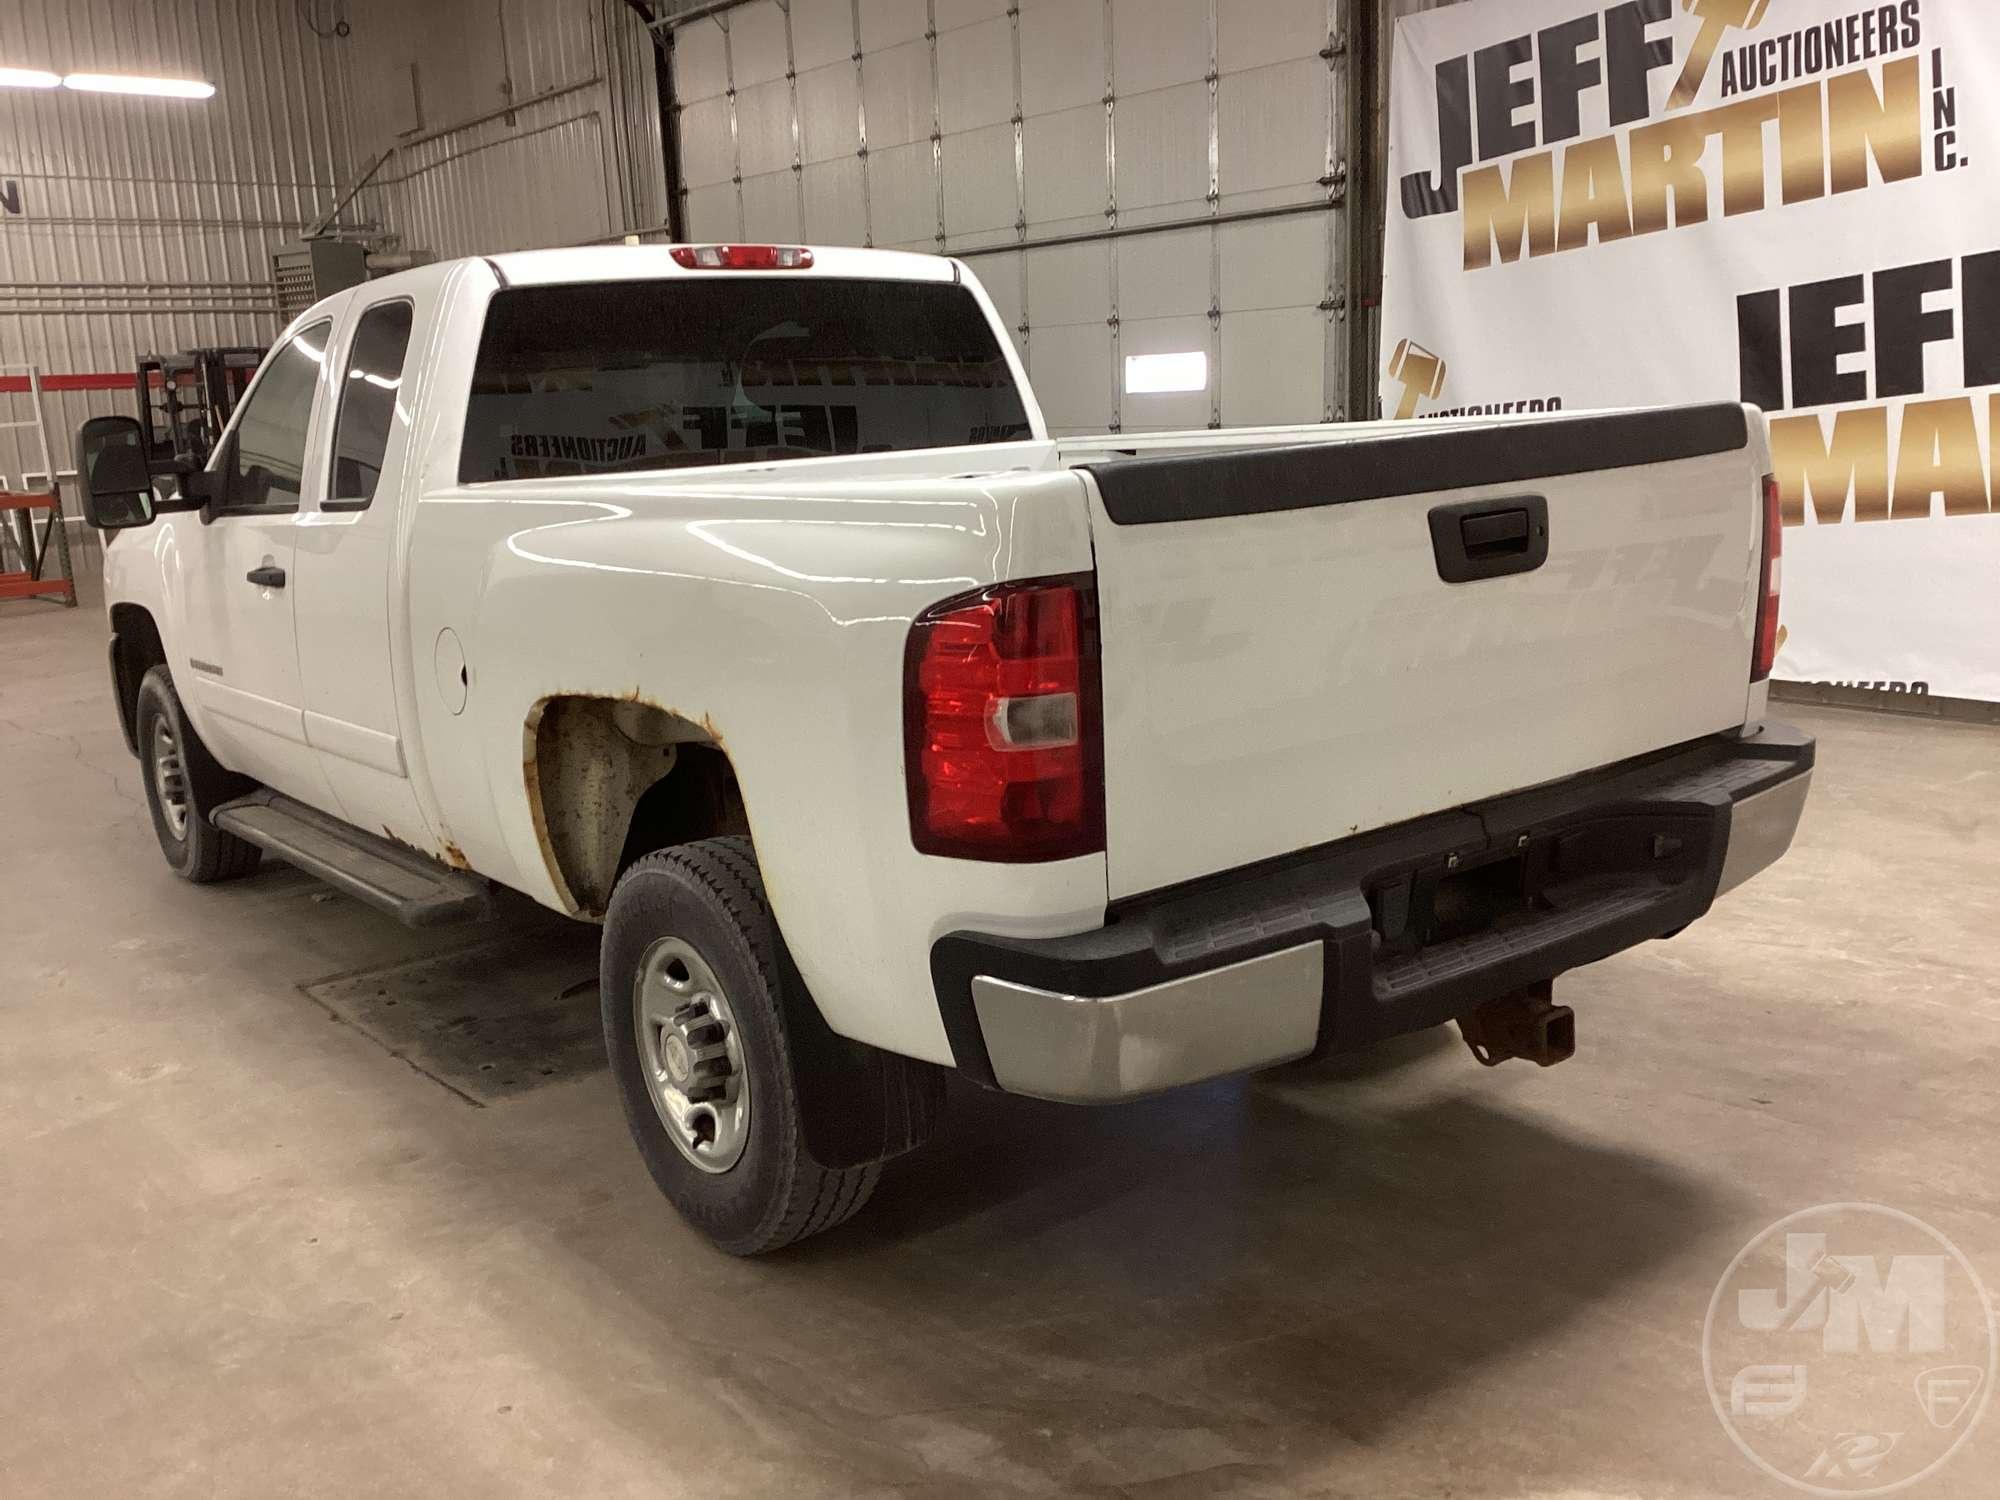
[[112, 471]]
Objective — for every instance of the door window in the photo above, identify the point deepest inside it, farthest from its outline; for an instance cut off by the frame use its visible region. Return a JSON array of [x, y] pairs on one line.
[[368, 398], [265, 462]]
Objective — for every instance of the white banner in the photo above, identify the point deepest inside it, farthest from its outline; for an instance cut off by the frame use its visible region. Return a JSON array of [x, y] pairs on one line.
[[1787, 202]]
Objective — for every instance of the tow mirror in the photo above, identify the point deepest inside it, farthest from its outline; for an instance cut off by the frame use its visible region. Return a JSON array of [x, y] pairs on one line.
[[112, 471]]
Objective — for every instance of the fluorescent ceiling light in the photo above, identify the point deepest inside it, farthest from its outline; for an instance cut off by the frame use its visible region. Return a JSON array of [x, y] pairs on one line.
[[1153, 374], [125, 83], [27, 78]]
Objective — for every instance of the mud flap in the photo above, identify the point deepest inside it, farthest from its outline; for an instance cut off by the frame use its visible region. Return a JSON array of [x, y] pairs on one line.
[[858, 1103]]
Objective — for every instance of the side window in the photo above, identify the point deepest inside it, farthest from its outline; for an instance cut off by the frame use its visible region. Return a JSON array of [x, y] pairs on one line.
[[267, 458], [368, 396]]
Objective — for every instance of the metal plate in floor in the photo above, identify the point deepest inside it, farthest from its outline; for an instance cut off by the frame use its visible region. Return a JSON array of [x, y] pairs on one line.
[[490, 1021]]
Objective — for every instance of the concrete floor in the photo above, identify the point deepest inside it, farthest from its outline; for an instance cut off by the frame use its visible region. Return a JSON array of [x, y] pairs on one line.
[[244, 1250]]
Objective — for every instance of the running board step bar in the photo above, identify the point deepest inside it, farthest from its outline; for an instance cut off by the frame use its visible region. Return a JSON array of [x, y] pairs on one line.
[[413, 888]]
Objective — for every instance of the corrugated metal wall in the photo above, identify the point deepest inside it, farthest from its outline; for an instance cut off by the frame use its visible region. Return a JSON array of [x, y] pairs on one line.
[[1079, 130], [147, 224], [1128, 176], [532, 124]]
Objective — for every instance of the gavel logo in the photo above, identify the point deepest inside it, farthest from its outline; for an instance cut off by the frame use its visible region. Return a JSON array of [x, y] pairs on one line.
[[1422, 375], [1717, 17]]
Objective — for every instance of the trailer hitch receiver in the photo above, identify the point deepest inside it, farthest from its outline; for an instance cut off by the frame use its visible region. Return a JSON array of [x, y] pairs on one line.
[[1525, 1024]]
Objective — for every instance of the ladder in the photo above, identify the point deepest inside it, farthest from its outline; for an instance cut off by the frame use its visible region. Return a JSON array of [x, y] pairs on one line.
[[18, 507]]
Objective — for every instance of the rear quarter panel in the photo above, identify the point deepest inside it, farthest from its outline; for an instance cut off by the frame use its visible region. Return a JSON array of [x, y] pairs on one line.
[[775, 612]]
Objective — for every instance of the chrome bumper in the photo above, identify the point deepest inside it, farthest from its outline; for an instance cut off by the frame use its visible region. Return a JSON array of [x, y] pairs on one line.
[[1084, 1049], [1761, 828]]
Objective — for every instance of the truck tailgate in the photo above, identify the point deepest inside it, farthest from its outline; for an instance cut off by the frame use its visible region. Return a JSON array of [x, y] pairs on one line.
[[1285, 664]]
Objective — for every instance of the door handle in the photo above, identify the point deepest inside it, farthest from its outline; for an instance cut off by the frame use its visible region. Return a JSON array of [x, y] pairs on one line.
[[267, 577]]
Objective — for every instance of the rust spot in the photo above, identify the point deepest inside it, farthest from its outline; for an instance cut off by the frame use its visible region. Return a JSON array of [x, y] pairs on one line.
[[450, 856], [537, 813], [587, 760]]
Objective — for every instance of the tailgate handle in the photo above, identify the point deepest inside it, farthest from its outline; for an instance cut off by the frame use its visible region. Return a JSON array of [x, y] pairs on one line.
[[1490, 538], [1494, 533]]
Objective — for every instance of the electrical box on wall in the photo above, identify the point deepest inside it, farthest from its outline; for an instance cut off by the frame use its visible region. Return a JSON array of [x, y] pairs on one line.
[[307, 270]]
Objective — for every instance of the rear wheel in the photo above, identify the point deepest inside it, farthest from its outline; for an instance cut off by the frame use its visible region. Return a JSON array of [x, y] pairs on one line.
[[184, 784], [694, 982]]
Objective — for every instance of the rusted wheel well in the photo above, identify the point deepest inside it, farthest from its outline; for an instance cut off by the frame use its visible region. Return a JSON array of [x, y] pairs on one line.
[[136, 649], [610, 779]]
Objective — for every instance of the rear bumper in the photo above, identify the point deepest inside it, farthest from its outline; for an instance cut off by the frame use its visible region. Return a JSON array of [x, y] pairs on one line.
[[1336, 948]]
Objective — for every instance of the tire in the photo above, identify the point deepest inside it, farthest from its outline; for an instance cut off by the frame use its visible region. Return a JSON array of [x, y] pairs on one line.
[[702, 907], [184, 784]]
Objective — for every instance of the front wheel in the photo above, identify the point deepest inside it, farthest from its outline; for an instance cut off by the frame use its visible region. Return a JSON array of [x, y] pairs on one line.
[[184, 784], [692, 977]]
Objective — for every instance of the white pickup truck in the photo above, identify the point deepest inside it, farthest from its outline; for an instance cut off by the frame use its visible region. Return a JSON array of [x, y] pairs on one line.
[[737, 598]]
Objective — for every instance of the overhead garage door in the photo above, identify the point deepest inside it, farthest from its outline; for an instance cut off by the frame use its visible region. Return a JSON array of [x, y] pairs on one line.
[[1127, 177]]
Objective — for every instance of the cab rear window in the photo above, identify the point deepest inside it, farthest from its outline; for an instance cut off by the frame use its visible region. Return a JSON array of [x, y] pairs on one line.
[[603, 377]]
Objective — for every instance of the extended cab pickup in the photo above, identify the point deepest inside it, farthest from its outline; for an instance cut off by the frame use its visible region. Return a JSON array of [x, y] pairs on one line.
[[738, 598]]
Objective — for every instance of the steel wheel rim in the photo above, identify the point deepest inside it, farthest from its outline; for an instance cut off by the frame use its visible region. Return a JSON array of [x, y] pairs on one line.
[[691, 1055], [170, 778]]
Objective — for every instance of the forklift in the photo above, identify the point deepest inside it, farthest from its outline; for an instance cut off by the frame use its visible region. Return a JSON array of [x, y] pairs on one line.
[[185, 400]]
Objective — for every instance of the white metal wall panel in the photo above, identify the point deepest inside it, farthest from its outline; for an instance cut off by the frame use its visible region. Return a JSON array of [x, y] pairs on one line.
[[903, 204], [1073, 376], [495, 186], [758, 37], [888, 23], [1062, 55], [896, 87], [771, 208], [1070, 342], [1162, 275], [978, 168], [956, 13], [147, 224], [986, 129], [822, 35], [1271, 368], [836, 211], [1163, 300], [1068, 186], [1163, 153], [708, 142], [1273, 131], [1159, 44], [575, 159], [975, 74]]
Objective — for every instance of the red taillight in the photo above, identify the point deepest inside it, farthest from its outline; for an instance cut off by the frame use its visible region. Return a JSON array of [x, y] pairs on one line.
[[1766, 650], [743, 257], [1003, 742]]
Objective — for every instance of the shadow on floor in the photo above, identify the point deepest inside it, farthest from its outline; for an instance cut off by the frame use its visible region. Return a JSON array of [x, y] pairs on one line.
[[1228, 1285], [1236, 1280]]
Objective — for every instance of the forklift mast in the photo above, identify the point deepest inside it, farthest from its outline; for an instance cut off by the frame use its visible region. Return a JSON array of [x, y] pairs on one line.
[[185, 400]]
